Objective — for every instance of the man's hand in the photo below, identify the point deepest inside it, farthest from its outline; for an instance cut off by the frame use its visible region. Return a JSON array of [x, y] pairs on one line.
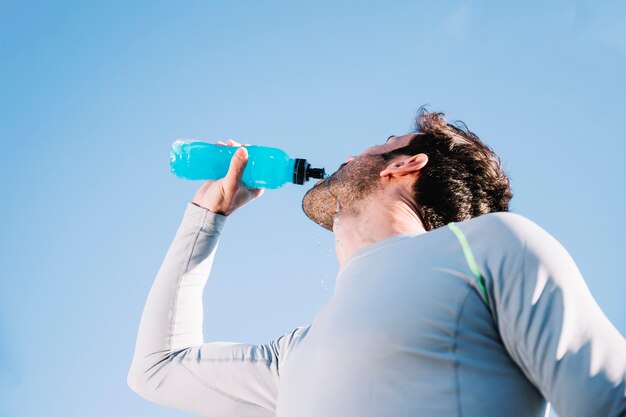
[[227, 194]]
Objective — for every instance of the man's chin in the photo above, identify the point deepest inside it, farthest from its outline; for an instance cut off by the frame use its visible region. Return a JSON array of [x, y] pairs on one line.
[[317, 207]]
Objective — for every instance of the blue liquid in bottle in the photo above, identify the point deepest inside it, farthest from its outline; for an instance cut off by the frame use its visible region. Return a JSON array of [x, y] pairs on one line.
[[266, 168]]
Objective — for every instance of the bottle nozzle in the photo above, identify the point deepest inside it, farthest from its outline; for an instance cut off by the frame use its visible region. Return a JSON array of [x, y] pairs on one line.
[[303, 172], [315, 173]]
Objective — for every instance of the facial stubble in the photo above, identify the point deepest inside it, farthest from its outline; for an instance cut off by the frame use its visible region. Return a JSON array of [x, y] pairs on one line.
[[345, 192]]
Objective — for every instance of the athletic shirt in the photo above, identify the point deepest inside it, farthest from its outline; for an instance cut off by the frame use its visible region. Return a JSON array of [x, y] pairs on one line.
[[486, 317]]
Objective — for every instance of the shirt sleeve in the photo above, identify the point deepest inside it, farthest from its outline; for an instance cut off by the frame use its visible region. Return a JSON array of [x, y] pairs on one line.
[[553, 328], [171, 365]]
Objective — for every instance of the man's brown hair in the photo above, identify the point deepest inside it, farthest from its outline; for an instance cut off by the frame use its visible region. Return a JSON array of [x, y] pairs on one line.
[[463, 177]]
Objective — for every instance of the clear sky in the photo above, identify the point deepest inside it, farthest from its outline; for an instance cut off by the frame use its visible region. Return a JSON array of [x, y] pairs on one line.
[[93, 93]]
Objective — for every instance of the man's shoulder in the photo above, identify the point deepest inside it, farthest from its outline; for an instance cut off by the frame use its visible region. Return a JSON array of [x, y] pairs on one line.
[[504, 219], [511, 239], [504, 227]]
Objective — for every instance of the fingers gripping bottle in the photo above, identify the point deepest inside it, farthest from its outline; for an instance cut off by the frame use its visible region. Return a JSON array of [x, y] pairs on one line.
[[266, 168]]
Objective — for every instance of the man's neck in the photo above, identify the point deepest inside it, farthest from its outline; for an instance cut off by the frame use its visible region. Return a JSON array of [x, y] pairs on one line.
[[377, 220]]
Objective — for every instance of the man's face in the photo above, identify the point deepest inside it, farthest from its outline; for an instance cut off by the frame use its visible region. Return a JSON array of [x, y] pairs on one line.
[[356, 180]]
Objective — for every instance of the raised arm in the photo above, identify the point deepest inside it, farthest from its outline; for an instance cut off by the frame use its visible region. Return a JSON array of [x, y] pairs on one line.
[[554, 329], [171, 365]]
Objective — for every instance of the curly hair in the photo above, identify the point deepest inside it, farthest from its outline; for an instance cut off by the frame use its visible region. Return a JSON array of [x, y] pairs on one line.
[[463, 177]]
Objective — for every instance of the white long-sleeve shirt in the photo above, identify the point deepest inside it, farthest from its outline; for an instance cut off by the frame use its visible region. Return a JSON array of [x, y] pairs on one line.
[[488, 317]]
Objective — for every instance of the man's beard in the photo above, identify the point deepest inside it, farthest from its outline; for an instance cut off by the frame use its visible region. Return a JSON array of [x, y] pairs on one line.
[[345, 191]]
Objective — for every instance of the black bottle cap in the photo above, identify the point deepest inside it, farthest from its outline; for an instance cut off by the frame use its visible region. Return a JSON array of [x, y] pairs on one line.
[[315, 173], [302, 171]]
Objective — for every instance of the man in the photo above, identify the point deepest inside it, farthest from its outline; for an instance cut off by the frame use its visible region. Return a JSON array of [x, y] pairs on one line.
[[445, 304]]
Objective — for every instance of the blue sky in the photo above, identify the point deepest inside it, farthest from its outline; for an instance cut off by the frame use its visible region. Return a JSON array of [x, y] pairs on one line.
[[92, 94]]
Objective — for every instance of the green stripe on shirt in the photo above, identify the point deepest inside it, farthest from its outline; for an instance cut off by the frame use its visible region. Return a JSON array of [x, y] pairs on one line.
[[469, 257]]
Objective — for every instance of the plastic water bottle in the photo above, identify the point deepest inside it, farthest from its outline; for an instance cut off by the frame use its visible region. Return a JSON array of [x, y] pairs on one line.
[[266, 167]]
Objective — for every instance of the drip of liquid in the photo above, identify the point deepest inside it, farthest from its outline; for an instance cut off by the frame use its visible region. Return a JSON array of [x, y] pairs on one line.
[[338, 177], [327, 269], [327, 185], [323, 281], [336, 229]]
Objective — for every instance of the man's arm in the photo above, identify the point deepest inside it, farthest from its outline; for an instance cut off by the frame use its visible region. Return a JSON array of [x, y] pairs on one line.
[[553, 328], [171, 365]]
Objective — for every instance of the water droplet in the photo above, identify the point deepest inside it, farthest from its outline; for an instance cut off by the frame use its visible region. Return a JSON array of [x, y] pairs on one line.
[[327, 194]]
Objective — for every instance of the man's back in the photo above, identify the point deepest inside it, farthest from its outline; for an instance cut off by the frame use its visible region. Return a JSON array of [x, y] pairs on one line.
[[407, 334], [410, 331]]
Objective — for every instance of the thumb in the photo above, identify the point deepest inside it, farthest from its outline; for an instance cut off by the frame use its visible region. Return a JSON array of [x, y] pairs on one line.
[[237, 165]]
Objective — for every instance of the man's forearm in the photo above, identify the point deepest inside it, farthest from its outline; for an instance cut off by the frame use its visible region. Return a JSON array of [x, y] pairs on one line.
[[172, 316]]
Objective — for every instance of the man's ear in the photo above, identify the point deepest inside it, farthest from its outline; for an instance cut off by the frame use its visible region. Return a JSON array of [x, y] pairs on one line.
[[405, 166]]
